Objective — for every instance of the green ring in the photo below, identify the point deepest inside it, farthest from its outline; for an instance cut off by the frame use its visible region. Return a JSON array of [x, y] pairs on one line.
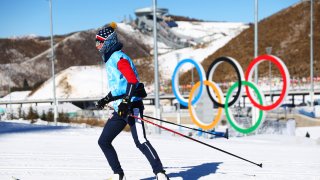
[[226, 107]]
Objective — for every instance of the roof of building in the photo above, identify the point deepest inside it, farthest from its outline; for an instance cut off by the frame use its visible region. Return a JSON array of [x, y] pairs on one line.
[[149, 11]]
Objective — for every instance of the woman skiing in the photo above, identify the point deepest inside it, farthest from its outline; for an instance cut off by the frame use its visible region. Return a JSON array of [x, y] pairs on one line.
[[126, 93]]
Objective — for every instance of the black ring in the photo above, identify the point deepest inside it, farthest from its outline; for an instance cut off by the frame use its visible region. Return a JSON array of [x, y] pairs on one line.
[[225, 59]]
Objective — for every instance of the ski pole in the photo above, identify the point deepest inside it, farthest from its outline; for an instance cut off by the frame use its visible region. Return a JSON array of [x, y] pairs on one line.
[[161, 120], [221, 150]]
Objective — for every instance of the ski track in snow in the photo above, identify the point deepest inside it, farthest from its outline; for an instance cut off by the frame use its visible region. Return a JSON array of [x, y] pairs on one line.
[[73, 153]]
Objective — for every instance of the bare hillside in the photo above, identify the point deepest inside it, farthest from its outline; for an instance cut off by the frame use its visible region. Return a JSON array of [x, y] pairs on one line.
[[25, 59], [287, 32]]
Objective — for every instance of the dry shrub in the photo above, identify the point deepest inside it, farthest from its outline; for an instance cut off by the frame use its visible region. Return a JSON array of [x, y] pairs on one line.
[[94, 122], [89, 121]]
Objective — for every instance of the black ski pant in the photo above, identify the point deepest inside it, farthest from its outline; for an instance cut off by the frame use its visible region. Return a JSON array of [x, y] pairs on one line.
[[114, 126]]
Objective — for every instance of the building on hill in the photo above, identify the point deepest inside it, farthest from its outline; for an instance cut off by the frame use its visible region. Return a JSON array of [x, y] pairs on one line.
[[144, 23]]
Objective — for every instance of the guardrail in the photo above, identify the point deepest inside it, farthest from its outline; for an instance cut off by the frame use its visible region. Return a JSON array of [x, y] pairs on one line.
[[149, 97], [48, 100]]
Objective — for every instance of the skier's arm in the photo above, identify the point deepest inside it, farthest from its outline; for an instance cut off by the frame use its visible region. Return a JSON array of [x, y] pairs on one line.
[[126, 70]]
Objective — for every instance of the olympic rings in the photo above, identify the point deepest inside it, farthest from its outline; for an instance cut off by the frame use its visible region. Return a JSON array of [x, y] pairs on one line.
[[230, 117], [201, 72], [242, 79], [195, 119], [284, 73], [239, 72]]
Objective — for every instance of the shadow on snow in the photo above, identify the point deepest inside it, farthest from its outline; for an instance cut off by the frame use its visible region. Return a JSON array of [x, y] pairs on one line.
[[11, 127], [193, 172]]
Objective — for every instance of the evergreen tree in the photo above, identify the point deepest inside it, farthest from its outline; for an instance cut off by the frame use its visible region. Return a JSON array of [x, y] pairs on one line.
[[19, 112], [32, 114], [43, 116], [25, 85], [50, 116], [63, 117], [23, 115]]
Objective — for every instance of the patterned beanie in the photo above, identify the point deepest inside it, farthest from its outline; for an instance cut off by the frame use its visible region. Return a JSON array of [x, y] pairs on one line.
[[105, 32], [108, 36]]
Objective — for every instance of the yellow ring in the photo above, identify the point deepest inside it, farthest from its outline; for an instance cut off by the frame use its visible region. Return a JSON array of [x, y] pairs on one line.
[[190, 107]]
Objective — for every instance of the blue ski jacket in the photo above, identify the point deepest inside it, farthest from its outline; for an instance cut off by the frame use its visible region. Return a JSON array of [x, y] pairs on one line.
[[116, 81]]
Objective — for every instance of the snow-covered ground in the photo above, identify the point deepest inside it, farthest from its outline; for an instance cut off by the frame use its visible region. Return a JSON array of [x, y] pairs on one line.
[[314, 132], [59, 152]]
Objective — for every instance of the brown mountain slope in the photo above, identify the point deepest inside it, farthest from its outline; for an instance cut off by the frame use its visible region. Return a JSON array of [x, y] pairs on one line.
[[29, 56], [287, 32], [20, 49]]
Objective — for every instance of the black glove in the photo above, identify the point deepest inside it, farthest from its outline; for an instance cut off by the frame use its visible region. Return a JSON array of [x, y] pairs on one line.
[[124, 107], [102, 102], [140, 91]]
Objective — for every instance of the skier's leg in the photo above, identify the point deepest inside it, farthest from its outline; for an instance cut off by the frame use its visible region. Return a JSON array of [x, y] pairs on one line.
[[112, 128], [139, 136]]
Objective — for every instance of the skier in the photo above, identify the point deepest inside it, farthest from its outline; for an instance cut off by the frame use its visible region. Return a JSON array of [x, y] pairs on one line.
[[126, 93]]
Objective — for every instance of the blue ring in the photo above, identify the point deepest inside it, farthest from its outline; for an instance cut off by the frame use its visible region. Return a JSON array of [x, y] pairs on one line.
[[181, 101]]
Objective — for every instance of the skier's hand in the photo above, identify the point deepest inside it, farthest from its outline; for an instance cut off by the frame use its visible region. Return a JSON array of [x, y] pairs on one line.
[[124, 107], [102, 102]]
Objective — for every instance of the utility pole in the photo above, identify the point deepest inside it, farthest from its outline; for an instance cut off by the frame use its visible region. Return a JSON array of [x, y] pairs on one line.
[[178, 104], [256, 39], [156, 68], [55, 106], [256, 75], [192, 76], [311, 55], [10, 98], [269, 50]]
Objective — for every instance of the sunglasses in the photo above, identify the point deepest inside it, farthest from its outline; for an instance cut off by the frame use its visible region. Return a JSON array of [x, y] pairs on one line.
[[98, 42]]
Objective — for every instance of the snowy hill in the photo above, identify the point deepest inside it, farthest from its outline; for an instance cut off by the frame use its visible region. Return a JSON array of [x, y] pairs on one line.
[[75, 82], [19, 95], [28, 59], [89, 81], [214, 35]]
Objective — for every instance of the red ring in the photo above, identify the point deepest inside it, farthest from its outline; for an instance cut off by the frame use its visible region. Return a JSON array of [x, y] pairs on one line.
[[283, 92]]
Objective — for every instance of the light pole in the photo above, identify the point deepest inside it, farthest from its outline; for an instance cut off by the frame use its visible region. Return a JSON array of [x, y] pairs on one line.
[[256, 39], [155, 54], [55, 107], [255, 113], [311, 53], [192, 76], [10, 98], [269, 50], [192, 80], [178, 104]]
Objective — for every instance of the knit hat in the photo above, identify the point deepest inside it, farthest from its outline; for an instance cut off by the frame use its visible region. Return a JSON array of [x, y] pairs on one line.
[[105, 32], [108, 36]]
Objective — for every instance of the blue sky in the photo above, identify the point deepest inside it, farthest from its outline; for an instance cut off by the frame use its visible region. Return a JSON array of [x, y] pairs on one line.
[[23, 17]]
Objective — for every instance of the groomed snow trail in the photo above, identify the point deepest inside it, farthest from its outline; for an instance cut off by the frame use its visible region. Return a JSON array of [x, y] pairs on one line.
[[32, 152]]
